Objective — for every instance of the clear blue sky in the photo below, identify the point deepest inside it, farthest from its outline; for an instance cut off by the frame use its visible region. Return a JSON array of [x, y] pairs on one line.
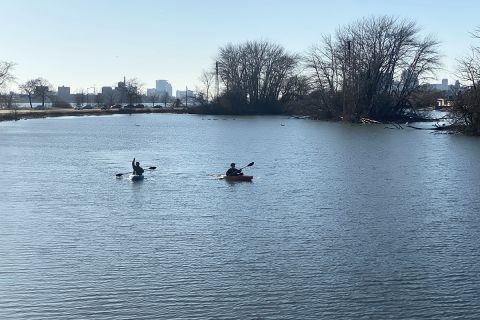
[[85, 43]]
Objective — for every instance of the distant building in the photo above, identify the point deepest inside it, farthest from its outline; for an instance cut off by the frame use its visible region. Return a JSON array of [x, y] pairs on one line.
[[151, 92], [441, 102], [446, 93], [108, 96], [182, 95], [440, 86], [163, 86], [120, 92], [106, 91], [186, 97], [63, 94]]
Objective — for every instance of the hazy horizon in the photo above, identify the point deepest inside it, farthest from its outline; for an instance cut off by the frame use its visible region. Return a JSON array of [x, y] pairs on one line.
[[90, 44]]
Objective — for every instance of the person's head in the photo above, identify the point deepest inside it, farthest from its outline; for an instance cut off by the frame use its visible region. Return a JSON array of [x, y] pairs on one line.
[[137, 163], [232, 165]]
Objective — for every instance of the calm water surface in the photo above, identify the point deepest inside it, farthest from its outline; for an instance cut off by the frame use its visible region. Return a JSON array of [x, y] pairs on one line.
[[341, 221]]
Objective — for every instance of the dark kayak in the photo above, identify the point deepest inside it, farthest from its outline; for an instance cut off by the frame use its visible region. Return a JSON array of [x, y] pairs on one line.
[[135, 177], [237, 178]]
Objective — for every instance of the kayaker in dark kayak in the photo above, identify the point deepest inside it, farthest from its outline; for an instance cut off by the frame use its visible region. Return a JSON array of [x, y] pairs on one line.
[[233, 171], [136, 168]]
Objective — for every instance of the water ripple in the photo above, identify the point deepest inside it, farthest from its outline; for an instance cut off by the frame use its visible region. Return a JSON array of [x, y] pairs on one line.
[[340, 222]]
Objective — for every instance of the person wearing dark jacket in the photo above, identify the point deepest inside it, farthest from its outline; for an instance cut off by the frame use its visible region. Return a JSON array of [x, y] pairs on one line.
[[136, 168], [233, 171]]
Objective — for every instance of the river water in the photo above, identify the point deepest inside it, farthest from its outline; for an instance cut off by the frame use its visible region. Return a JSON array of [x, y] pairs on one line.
[[340, 222]]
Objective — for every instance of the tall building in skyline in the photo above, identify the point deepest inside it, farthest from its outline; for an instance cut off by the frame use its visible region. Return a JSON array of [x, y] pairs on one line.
[[163, 86], [120, 91], [63, 94], [108, 95], [107, 91]]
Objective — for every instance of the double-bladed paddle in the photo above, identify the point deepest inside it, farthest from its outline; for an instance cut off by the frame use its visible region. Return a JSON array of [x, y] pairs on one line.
[[248, 165], [121, 174]]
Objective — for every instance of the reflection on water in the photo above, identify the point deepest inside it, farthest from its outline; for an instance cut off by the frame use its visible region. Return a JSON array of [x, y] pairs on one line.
[[340, 222]]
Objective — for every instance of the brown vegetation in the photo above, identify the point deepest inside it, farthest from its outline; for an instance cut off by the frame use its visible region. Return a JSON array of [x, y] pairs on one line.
[[466, 109], [17, 114], [371, 68], [254, 75]]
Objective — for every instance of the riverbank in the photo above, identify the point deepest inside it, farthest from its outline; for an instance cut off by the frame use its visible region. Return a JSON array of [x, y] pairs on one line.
[[19, 114]]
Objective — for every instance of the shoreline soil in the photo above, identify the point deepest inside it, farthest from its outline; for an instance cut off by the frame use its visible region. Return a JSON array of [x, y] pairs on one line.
[[23, 114]]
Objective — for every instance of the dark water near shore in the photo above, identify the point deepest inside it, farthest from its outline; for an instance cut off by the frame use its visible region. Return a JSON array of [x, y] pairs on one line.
[[341, 221]]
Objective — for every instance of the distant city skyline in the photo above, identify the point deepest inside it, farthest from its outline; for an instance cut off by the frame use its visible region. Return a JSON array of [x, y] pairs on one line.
[[96, 43], [163, 86]]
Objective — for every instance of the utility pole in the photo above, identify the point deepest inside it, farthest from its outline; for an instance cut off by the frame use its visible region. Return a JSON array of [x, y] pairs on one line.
[[346, 70], [349, 75]]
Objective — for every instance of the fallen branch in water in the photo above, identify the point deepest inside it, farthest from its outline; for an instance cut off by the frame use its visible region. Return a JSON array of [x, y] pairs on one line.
[[436, 127], [367, 120]]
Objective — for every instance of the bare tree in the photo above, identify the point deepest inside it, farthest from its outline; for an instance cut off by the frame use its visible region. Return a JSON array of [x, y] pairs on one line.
[[133, 90], [466, 108], [165, 98], [254, 73], [42, 90], [153, 97], [207, 79], [469, 68], [296, 87], [7, 101], [29, 88], [371, 67], [5, 77], [6, 72], [323, 63], [199, 97]]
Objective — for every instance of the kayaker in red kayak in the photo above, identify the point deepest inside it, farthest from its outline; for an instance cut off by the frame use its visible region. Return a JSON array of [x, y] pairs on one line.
[[233, 171], [137, 170]]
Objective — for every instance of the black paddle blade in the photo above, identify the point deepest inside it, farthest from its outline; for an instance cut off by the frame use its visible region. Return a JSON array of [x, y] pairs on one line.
[[250, 164], [119, 174], [152, 168]]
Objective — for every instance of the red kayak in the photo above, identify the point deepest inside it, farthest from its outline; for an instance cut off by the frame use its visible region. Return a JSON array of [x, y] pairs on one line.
[[237, 178]]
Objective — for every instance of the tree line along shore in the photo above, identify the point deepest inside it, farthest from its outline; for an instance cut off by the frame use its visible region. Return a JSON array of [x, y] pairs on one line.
[[374, 69]]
